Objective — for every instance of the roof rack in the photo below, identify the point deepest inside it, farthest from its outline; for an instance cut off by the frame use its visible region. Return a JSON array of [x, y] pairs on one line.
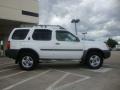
[[42, 26], [57, 26]]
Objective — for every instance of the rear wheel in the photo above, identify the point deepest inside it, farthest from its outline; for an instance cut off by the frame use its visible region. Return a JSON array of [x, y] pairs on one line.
[[94, 60], [27, 61]]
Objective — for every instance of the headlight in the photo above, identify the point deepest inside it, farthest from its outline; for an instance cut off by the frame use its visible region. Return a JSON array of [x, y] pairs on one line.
[[107, 46]]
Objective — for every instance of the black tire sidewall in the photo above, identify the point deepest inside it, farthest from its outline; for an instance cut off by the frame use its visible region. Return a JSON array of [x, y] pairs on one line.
[[33, 58], [88, 60]]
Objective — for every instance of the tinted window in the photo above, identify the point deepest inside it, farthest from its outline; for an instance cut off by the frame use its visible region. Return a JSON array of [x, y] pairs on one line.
[[42, 34], [20, 34], [65, 36]]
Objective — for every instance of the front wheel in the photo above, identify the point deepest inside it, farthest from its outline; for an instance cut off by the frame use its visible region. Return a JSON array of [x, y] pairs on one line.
[[27, 61], [94, 60]]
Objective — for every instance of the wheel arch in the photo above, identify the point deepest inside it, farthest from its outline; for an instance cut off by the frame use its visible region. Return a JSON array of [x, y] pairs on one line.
[[27, 50], [86, 52]]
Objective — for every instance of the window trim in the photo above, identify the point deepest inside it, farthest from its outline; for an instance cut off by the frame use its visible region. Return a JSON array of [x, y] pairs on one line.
[[20, 30], [68, 41], [41, 30]]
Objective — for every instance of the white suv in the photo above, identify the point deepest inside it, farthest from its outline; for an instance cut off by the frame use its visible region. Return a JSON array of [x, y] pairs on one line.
[[29, 46]]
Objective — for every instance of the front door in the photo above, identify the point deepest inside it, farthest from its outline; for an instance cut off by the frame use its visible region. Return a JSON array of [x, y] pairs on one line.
[[67, 46]]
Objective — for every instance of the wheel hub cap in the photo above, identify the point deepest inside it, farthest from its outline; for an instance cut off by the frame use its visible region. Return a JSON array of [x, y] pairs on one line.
[[27, 61], [94, 60]]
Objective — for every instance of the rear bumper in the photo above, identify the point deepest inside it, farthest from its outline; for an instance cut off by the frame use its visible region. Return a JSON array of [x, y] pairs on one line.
[[107, 53], [11, 53]]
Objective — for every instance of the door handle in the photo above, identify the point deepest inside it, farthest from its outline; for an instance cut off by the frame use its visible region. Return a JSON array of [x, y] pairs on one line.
[[57, 43]]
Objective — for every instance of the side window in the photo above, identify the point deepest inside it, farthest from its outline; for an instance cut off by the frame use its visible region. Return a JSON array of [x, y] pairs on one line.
[[20, 34], [42, 34], [66, 36]]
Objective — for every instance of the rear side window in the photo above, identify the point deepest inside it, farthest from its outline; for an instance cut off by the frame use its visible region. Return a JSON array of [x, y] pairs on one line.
[[20, 34], [42, 34]]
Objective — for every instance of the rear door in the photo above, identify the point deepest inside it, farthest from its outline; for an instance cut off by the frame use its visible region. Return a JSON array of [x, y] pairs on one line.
[[43, 42]]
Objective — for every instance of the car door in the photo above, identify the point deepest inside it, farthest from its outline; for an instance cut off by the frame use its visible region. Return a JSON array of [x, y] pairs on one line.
[[67, 46], [43, 43]]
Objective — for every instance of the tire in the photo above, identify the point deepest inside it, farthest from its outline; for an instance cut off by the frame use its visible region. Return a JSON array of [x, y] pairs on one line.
[[94, 60], [28, 61]]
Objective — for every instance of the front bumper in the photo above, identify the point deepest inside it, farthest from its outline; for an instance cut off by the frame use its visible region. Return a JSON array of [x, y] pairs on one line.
[[11, 53], [107, 53]]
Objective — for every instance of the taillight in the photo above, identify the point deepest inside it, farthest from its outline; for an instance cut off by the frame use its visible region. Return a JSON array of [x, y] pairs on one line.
[[8, 45]]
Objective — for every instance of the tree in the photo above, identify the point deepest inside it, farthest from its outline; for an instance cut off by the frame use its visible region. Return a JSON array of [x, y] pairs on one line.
[[111, 43]]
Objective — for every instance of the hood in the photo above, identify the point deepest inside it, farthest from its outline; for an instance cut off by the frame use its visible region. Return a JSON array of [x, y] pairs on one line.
[[95, 44]]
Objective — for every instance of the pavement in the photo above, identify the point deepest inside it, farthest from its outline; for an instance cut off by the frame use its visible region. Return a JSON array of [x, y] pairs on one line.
[[61, 76]]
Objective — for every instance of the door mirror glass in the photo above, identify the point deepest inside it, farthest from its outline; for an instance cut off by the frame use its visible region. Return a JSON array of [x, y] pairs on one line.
[[77, 39]]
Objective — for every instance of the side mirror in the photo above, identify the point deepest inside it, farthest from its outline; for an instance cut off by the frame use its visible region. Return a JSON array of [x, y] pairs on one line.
[[28, 38], [77, 39]]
